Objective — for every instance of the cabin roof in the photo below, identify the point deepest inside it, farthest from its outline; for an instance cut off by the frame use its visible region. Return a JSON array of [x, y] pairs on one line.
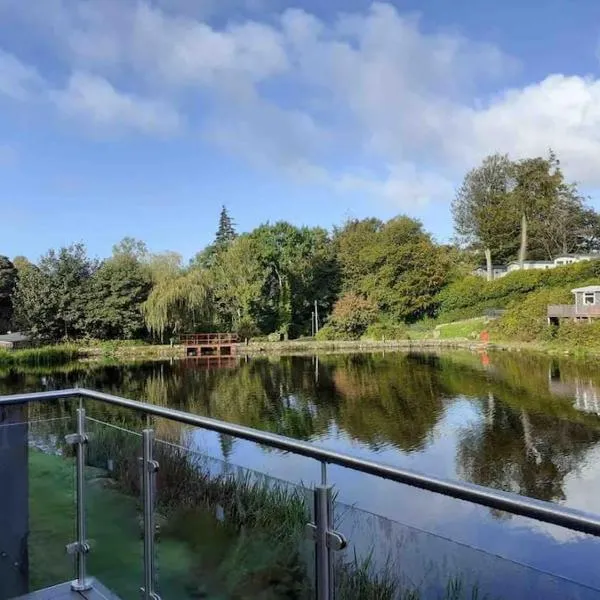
[[587, 288], [17, 336]]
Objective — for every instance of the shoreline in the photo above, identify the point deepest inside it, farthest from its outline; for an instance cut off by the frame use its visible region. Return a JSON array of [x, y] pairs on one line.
[[309, 347]]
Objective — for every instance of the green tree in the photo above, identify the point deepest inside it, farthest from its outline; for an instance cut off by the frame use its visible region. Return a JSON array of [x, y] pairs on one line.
[[164, 266], [483, 210], [35, 304], [131, 247], [351, 316], [116, 292], [51, 297], [8, 279], [538, 185], [397, 265], [226, 231], [300, 268], [239, 279], [350, 242], [179, 304]]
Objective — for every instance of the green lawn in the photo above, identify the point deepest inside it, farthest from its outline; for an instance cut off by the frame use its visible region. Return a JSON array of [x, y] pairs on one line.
[[113, 529]]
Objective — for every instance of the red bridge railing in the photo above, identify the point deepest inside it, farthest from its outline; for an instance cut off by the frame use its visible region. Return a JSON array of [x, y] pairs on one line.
[[208, 339]]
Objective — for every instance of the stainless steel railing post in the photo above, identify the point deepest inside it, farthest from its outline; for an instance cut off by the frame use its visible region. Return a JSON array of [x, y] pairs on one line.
[[327, 540], [80, 547], [149, 470]]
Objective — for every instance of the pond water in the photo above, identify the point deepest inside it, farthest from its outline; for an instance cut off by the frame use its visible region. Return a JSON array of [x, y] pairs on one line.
[[513, 421]]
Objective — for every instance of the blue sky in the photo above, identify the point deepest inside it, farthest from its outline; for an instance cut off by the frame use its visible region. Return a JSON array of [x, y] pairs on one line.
[[143, 117]]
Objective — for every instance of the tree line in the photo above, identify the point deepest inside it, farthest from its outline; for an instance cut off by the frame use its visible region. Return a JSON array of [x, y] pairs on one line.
[[266, 281]]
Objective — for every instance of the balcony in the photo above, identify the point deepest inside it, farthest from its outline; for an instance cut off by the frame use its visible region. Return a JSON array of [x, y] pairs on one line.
[[108, 498], [572, 311]]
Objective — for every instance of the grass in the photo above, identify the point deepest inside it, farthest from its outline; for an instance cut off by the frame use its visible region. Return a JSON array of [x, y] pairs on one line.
[[113, 529], [468, 329], [43, 356], [220, 535]]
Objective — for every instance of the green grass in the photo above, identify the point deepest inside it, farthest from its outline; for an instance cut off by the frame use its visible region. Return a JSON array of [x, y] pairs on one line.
[[43, 356], [219, 536], [468, 329], [113, 529]]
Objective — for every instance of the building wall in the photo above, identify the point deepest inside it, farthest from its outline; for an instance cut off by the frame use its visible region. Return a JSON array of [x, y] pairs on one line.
[[14, 502]]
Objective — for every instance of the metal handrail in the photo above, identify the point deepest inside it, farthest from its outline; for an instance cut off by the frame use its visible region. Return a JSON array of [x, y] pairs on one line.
[[539, 510]]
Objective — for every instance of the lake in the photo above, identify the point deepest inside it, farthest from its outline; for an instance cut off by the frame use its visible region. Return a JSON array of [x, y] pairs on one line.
[[513, 421]]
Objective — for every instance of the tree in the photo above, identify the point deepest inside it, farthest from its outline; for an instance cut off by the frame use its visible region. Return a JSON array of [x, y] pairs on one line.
[[223, 238], [350, 242], [8, 279], [239, 279], [116, 292], [483, 210], [351, 316], [35, 304], [395, 264], [164, 265], [182, 303], [51, 298], [226, 231], [300, 268], [131, 247], [539, 192]]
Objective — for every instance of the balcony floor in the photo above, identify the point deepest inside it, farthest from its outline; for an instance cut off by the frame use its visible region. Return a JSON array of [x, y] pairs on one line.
[[63, 591]]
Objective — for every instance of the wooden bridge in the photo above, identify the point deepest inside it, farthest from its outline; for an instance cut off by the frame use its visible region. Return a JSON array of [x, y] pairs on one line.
[[209, 344]]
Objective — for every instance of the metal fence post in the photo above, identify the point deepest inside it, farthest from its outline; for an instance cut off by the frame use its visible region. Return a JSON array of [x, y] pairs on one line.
[[80, 547], [326, 541], [149, 469]]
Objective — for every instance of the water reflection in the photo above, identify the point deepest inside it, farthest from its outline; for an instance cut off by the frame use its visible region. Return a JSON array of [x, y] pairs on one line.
[[516, 422]]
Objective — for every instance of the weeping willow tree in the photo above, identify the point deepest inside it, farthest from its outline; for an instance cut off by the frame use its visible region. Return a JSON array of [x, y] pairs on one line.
[[181, 303]]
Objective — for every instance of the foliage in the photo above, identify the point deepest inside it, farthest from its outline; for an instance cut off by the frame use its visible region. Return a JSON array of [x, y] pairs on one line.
[[526, 319], [46, 356], [385, 329], [351, 316], [8, 278], [50, 298], [239, 279], [482, 211], [178, 304], [300, 268], [116, 292], [394, 264], [470, 297]]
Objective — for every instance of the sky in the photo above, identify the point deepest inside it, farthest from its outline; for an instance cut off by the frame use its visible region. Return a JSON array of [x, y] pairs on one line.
[[143, 117]]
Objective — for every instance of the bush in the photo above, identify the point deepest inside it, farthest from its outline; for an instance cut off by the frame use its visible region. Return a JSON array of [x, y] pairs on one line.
[[471, 296], [329, 334], [526, 319], [385, 330], [579, 335], [351, 316]]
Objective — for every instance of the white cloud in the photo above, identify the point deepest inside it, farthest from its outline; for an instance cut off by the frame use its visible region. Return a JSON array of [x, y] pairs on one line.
[[368, 103], [560, 112], [95, 101], [18, 81]]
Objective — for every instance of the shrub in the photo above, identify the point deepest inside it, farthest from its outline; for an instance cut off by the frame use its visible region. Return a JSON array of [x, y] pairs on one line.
[[351, 316], [471, 296], [526, 319], [385, 330]]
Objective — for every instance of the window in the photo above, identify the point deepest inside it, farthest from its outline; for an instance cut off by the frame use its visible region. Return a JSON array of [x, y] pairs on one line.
[[588, 298]]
